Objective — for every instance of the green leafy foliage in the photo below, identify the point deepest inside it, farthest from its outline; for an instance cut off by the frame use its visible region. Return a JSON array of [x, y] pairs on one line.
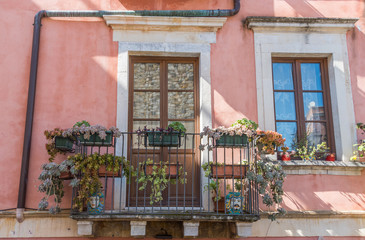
[[177, 126], [249, 124]]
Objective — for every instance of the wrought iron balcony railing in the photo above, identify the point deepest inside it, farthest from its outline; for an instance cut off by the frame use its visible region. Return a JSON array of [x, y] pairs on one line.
[[180, 175]]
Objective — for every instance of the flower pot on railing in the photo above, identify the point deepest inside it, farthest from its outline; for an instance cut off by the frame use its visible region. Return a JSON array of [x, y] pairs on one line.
[[227, 140], [66, 175], [331, 158], [163, 139], [95, 139], [171, 169], [63, 143], [103, 172], [229, 171]]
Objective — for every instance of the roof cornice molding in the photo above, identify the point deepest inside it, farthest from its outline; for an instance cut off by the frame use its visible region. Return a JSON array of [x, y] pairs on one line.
[[294, 24], [154, 23]]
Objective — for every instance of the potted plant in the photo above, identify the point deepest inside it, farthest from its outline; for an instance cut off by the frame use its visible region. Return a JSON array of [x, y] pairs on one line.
[[330, 157], [359, 152], [159, 177], [237, 135], [160, 137], [285, 155], [268, 141], [56, 143], [89, 184], [95, 135], [220, 170], [52, 183], [311, 152], [269, 178], [218, 201]]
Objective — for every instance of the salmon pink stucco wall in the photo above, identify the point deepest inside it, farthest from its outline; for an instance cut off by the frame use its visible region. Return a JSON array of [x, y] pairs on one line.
[[78, 72]]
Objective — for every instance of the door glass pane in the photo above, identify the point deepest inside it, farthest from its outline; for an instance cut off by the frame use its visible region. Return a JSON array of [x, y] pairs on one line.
[[285, 106], [283, 76], [311, 76], [181, 105], [313, 106], [146, 76], [180, 76], [146, 105], [289, 132], [317, 132]]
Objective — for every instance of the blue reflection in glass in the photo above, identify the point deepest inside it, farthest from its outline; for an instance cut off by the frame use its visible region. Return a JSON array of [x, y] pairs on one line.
[[311, 76], [289, 132], [283, 76], [313, 106], [284, 106]]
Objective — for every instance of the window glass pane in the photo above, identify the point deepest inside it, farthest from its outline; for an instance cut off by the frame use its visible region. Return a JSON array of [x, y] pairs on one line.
[[311, 76], [190, 128], [289, 132], [285, 106], [313, 106], [317, 132], [180, 105], [146, 76], [283, 76], [146, 105], [180, 76]]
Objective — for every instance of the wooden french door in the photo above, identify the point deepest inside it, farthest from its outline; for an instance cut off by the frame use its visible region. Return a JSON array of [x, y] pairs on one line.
[[163, 90]]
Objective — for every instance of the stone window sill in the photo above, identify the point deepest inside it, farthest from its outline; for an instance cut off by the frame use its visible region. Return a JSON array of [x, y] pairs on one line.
[[300, 167]]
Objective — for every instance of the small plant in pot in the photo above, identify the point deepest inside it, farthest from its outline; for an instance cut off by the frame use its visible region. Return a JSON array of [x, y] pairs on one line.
[[359, 149], [285, 155], [311, 152], [57, 144], [239, 134], [268, 141], [92, 135], [160, 137]]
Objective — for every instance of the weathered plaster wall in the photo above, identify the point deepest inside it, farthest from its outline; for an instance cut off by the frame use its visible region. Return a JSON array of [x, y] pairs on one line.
[[77, 80]]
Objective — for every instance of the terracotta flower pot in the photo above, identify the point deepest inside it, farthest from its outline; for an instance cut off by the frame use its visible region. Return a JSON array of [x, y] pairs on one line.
[[229, 171], [105, 173], [66, 176], [171, 170]]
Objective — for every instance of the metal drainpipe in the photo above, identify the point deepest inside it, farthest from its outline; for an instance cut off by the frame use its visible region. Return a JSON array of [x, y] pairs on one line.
[[34, 66]]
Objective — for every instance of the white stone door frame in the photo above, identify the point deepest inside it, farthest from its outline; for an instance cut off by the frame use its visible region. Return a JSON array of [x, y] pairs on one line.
[[162, 36]]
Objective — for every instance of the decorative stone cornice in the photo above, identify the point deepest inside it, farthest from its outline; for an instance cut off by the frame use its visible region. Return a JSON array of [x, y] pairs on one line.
[[294, 24], [155, 23]]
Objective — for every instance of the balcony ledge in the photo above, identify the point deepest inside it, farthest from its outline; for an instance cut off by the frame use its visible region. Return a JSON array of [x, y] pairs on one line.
[[165, 217], [299, 167]]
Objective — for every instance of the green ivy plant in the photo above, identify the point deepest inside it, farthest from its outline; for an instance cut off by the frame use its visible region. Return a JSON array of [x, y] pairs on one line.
[[177, 126], [269, 178], [159, 179]]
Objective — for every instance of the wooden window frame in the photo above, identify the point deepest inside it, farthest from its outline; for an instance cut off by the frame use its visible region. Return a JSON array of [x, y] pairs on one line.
[[298, 96]]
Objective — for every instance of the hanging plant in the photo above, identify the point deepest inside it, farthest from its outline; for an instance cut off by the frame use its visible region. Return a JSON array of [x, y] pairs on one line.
[[269, 178]]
